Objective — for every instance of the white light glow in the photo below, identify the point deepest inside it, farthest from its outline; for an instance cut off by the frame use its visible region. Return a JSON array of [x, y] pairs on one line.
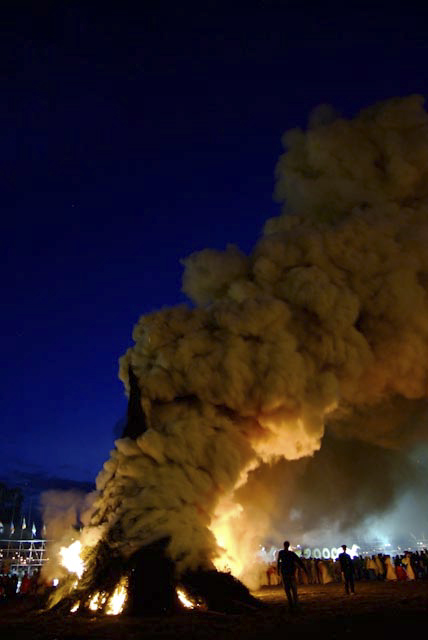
[[185, 600], [71, 560], [117, 601]]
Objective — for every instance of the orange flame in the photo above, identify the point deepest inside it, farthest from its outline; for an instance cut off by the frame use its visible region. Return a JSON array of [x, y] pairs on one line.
[[117, 601], [71, 560], [185, 599]]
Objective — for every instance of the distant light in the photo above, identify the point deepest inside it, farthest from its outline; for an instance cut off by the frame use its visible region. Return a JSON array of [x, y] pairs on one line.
[[55, 582]]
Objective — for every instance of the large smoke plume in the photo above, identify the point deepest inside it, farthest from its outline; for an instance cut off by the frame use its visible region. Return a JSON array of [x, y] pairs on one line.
[[290, 391]]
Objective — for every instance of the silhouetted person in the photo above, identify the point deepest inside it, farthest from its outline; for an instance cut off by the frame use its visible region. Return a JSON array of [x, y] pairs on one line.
[[347, 569], [34, 581], [288, 561], [25, 585]]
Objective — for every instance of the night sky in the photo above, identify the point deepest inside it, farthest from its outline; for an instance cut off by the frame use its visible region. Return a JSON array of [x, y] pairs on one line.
[[131, 138]]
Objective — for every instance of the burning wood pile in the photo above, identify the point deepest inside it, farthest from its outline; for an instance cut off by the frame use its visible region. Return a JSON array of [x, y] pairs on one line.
[[146, 582]]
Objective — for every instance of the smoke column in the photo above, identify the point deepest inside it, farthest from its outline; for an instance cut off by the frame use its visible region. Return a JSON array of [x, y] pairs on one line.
[[292, 387]]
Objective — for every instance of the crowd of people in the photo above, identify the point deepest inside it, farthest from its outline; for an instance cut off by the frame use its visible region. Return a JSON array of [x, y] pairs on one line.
[[13, 585], [410, 565], [291, 570]]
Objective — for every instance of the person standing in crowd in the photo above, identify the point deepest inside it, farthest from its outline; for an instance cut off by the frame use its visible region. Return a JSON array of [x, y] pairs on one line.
[[288, 562], [347, 569], [391, 573], [25, 585], [399, 569], [406, 561], [313, 571], [380, 564], [358, 562]]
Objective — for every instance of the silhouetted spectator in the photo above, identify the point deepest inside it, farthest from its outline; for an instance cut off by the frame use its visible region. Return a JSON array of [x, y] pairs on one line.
[[391, 573], [424, 562], [399, 569], [347, 570], [11, 585], [25, 585], [313, 571], [288, 562], [372, 567], [380, 567], [358, 564], [34, 581], [337, 571], [408, 566]]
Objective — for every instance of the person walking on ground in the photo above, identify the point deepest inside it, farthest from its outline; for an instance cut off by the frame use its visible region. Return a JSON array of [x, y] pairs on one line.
[[288, 562], [347, 567]]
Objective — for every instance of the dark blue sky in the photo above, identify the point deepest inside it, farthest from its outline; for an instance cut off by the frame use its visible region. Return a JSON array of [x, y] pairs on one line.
[[132, 137]]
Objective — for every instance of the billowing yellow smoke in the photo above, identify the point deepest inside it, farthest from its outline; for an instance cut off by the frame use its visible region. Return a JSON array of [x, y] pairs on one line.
[[326, 318]]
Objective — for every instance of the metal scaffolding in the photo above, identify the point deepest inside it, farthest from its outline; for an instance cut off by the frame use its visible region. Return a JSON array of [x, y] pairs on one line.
[[17, 556]]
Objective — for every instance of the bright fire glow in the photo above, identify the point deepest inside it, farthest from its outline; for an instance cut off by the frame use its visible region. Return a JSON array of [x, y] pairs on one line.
[[224, 526], [71, 560], [185, 600], [117, 601], [97, 600]]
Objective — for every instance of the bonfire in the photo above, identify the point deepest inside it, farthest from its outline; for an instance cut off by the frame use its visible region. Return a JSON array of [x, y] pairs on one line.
[[313, 347]]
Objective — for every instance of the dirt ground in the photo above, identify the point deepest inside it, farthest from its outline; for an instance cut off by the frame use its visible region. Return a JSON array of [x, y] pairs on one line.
[[377, 609]]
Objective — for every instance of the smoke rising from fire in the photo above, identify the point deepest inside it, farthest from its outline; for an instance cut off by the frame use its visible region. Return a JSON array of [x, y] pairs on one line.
[[324, 326], [64, 513]]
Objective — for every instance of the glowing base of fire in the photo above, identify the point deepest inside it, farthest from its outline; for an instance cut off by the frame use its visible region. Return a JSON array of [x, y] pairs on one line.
[[117, 601], [115, 604], [185, 599]]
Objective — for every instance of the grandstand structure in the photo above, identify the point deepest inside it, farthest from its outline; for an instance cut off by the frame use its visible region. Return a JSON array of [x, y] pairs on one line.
[[22, 534], [22, 555]]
